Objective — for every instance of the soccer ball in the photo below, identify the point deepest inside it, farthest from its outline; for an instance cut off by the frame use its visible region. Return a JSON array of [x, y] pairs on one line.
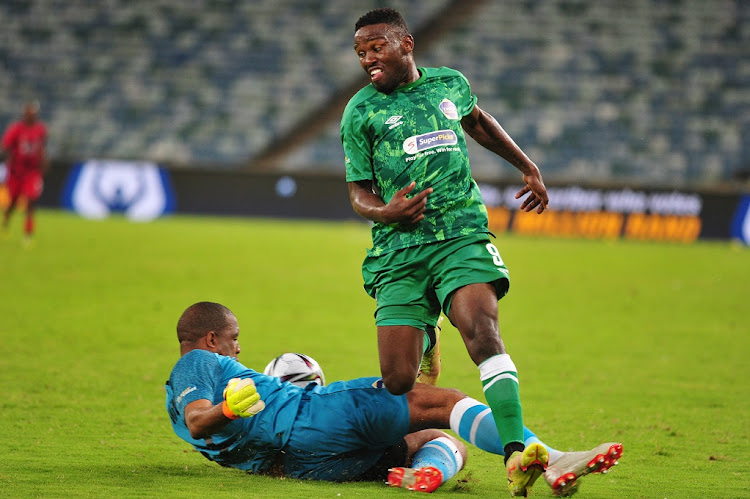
[[296, 368]]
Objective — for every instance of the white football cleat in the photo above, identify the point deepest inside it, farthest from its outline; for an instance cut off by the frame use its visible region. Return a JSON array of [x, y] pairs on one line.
[[562, 474]]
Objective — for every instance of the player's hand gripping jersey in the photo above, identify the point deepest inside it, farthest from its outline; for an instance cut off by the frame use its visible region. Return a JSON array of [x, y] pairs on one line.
[[414, 134]]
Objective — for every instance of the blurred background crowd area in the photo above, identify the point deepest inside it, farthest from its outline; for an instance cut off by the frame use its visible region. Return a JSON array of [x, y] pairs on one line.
[[636, 91]]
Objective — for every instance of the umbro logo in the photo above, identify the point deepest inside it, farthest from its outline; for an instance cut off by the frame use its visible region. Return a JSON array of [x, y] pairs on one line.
[[394, 121]]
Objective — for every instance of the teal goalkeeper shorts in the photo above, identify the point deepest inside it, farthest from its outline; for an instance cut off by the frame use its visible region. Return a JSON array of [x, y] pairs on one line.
[[412, 285]]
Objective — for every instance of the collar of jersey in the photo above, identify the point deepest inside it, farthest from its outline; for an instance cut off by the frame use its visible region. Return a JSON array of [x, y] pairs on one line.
[[413, 84]]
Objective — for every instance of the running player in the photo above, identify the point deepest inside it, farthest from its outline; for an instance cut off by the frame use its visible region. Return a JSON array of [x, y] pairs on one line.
[[24, 143], [407, 169]]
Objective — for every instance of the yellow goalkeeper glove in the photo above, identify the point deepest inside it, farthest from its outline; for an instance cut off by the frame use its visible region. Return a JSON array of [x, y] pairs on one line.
[[241, 399]]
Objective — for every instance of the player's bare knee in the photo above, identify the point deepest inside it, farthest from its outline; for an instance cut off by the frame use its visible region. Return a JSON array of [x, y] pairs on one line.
[[398, 385]]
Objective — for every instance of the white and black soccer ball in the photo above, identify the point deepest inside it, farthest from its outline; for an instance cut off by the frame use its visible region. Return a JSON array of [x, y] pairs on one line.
[[296, 368]]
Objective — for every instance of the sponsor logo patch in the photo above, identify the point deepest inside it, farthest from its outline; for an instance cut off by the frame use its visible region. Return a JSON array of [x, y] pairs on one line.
[[417, 143], [449, 109], [186, 391]]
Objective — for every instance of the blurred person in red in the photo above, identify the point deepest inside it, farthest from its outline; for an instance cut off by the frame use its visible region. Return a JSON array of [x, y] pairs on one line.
[[24, 145]]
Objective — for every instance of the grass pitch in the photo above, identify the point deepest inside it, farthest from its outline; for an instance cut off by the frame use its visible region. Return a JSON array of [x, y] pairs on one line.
[[642, 343]]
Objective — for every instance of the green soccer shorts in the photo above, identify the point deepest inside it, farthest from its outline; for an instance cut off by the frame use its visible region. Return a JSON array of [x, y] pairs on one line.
[[412, 285]]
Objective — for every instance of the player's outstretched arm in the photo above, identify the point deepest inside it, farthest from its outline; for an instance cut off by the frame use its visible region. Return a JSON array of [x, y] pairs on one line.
[[488, 133], [400, 209]]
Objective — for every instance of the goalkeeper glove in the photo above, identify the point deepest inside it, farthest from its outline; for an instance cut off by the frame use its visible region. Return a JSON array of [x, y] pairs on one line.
[[241, 399]]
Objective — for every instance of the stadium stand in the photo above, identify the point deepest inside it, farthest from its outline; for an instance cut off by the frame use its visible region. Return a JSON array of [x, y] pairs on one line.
[[644, 90]]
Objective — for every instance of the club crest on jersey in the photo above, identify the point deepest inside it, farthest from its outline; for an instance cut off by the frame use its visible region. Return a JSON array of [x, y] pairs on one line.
[[417, 143], [449, 109], [379, 383]]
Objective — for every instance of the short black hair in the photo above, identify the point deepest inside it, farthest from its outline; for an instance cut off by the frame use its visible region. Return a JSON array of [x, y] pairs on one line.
[[385, 15], [200, 318]]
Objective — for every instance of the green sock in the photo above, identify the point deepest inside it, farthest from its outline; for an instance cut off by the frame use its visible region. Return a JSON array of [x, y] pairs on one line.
[[500, 384]]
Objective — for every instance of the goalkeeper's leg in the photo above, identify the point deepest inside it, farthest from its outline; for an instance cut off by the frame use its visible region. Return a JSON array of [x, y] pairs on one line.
[[434, 462]]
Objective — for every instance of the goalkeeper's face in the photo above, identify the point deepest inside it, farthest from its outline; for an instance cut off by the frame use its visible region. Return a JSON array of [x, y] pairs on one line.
[[226, 340]]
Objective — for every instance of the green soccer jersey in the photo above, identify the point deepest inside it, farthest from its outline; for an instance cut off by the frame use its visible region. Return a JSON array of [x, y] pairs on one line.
[[414, 134]]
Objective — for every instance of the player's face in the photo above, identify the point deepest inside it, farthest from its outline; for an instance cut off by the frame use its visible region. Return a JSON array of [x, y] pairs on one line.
[[227, 342], [385, 56], [30, 114]]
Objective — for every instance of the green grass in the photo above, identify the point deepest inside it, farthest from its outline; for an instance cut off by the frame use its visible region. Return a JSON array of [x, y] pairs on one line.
[[642, 343]]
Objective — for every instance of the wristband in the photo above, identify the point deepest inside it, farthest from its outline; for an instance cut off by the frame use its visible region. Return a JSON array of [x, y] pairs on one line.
[[227, 411]]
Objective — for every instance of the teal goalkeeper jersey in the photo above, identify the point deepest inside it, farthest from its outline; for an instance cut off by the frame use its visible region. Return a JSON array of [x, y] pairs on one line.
[[245, 443], [414, 134]]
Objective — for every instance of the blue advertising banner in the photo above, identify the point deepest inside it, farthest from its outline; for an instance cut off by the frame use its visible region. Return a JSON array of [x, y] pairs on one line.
[[139, 190], [741, 221]]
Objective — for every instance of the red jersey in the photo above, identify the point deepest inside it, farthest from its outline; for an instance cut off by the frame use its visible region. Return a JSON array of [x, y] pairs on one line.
[[25, 146]]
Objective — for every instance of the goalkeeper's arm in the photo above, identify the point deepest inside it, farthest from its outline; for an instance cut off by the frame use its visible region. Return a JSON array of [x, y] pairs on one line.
[[241, 400]]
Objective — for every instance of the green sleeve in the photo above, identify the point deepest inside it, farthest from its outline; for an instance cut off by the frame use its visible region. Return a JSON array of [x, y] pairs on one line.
[[465, 100], [356, 142]]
